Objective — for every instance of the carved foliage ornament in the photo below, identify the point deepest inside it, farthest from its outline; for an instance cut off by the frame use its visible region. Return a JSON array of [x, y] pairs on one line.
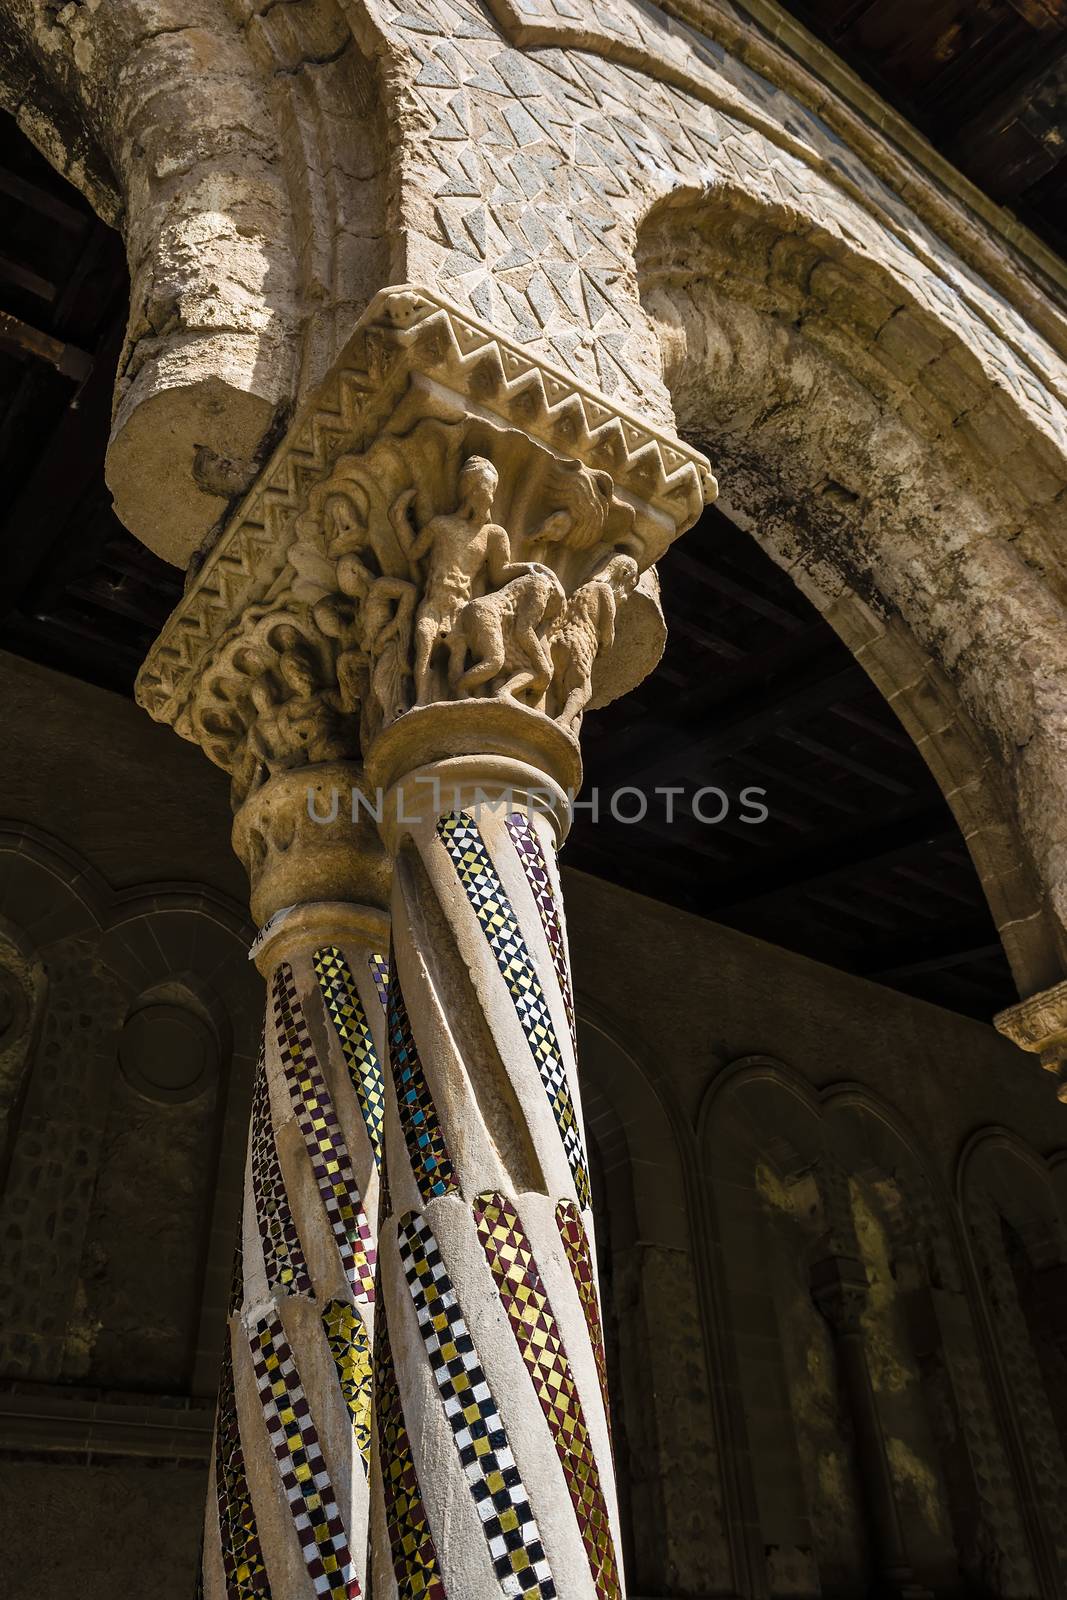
[[427, 549]]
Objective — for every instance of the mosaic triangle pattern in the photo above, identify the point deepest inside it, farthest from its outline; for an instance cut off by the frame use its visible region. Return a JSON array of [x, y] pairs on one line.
[[298, 1455], [427, 1150], [529, 1310], [503, 1505], [345, 1010], [415, 1564], [325, 1142], [579, 1256], [494, 911], [379, 971], [283, 1257], [346, 1335], [528, 846], [243, 1568]]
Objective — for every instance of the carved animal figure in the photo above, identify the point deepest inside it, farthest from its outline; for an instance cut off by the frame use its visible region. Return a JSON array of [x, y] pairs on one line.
[[504, 633], [588, 626]]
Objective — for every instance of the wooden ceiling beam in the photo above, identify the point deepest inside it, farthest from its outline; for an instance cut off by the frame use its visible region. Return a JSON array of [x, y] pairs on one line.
[[829, 857], [38, 199]]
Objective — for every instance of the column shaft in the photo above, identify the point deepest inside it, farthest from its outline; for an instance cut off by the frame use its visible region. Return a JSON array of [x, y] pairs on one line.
[[494, 1367], [288, 1507]]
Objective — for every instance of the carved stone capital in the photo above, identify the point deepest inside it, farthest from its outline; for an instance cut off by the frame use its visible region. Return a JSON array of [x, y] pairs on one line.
[[1039, 1024], [839, 1288], [447, 521], [304, 836]]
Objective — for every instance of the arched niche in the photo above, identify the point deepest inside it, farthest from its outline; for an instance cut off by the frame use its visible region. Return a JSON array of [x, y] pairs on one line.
[[92, 1149], [910, 498], [796, 1178], [648, 1243], [934, 1366], [1016, 1227], [762, 1146]]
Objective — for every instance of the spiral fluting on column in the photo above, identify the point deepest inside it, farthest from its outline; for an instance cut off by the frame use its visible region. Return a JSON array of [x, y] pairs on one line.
[[289, 1514], [487, 1274]]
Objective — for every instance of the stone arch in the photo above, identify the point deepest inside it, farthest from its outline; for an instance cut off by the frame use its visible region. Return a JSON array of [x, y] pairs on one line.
[[864, 444], [671, 1458], [240, 150]]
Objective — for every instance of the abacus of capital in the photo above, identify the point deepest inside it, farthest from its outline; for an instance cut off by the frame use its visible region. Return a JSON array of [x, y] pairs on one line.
[[446, 562]]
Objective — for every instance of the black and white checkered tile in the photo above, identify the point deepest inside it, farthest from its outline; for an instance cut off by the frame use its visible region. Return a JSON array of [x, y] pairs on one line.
[[489, 1467], [301, 1467]]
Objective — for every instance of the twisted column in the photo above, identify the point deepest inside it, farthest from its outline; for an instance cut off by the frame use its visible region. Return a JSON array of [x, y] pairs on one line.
[[288, 1503], [495, 1468], [446, 562]]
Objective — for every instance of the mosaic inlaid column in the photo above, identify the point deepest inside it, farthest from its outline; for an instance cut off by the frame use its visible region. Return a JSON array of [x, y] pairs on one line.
[[448, 560], [288, 1504], [494, 1363]]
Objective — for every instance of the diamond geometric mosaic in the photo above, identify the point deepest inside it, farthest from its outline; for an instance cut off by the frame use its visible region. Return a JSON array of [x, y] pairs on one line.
[[415, 1562], [242, 1558], [525, 1299], [576, 1248], [498, 1492], [379, 971], [428, 1153], [306, 1482], [494, 911], [532, 857], [345, 1010], [283, 1256], [346, 1335], [325, 1142]]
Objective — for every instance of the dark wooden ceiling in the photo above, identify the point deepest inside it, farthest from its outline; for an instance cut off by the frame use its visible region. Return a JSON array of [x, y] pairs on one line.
[[76, 590], [859, 861], [985, 80]]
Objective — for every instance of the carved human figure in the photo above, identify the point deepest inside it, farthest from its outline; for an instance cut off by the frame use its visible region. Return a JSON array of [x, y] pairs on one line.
[[301, 723], [466, 553], [339, 619], [385, 608], [587, 627]]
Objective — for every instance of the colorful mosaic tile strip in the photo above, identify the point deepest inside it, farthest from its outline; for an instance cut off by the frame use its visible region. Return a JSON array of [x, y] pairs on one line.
[[301, 1467], [493, 909], [528, 846], [237, 1274], [525, 1299], [283, 1257], [498, 1492], [379, 971], [325, 1142], [243, 1566], [423, 1136], [346, 1335], [345, 1010], [576, 1248], [415, 1562]]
